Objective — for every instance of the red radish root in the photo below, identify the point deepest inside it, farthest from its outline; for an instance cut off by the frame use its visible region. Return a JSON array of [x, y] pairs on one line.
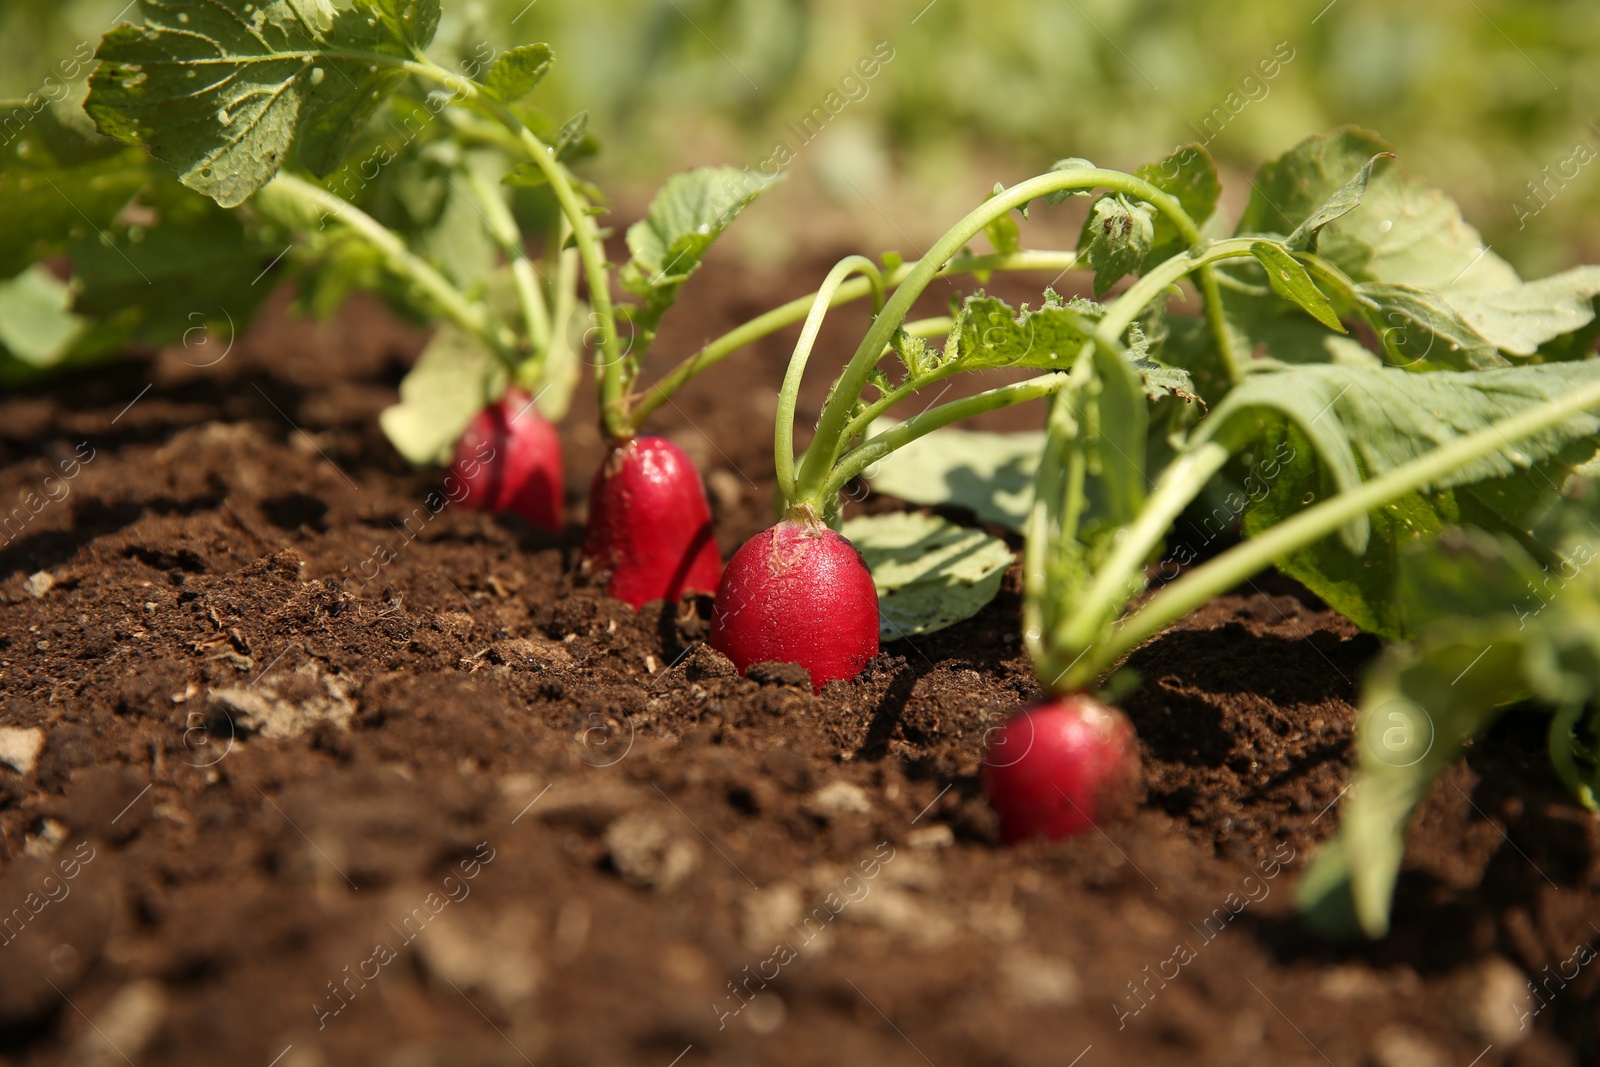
[[797, 593], [509, 456], [1060, 768], [649, 525]]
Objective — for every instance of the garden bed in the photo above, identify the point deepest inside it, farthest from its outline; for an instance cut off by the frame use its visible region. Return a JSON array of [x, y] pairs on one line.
[[279, 764]]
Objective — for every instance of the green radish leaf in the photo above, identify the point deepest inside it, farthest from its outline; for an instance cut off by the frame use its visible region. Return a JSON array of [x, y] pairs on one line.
[[569, 139], [685, 218], [1334, 426], [1340, 204], [220, 91], [1062, 195], [58, 185], [518, 71], [1297, 186], [195, 267], [1417, 325], [37, 325], [453, 379], [989, 334], [1520, 318], [1290, 281], [990, 474], [1413, 723], [1495, 629], [1117, 236], [929, 572], [1190, 175]]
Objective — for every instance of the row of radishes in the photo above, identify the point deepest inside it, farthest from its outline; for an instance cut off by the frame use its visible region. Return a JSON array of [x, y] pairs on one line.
[[797, 593]]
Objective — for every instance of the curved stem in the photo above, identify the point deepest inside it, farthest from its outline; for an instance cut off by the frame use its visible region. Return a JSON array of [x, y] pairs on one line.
[[1114, 580], [1244, 560], [504, 229], [591, 251], [871, 451], [795, 310], [789, 395], [824, 452], [934, 327], [472, 318]]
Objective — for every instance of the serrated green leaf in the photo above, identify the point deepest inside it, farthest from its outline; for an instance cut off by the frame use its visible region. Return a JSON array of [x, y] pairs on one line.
[[453, 379], [990, 334], [1117, 236], [929, 572], [518, 71], [685, 218], [1190, 175], [37, 325], [990, 474], [221, 90], [1289, 280]]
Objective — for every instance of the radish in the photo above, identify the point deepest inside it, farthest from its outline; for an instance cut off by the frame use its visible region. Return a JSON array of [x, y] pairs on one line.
[[509, 457], [797, 593], [1061, 768], [649, 525]]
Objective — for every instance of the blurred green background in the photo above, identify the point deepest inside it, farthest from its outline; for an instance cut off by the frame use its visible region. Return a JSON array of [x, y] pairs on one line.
[[1480, 96]]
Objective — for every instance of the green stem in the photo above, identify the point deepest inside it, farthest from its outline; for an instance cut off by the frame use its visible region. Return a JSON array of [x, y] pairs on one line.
[[877, 448], [795, 310], [1119, 577], [789, 395], [469, 316], [504, 229], [591, 251], [826, 446], [1241, 562]]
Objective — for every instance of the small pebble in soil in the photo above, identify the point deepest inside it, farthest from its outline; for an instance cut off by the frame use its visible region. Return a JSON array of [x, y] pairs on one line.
[[835, 799], [39, 583], [19, 747]]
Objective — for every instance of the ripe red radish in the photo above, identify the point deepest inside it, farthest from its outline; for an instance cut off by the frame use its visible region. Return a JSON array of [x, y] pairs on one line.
[[1060, 768], [509, 458], [649, 525], [797, 593]]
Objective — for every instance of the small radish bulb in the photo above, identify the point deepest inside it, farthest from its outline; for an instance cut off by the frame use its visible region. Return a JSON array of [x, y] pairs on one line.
[[509, 456], [1060, 768], [797, 593], [649, 525]]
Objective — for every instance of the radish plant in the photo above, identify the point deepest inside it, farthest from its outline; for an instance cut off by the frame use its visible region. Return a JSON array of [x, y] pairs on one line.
[[1473, 410], [330, 142]]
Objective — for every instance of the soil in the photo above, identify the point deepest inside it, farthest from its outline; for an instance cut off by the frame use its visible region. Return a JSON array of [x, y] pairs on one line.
[[329, 779]]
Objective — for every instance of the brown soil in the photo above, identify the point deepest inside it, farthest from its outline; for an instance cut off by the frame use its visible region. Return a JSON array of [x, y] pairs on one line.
[[271, 780]]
